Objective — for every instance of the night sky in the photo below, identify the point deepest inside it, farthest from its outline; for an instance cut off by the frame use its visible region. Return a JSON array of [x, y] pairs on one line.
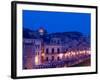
[[57, 21]]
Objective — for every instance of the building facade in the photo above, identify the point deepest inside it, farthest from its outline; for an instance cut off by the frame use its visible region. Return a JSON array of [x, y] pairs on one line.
[[43, 48]]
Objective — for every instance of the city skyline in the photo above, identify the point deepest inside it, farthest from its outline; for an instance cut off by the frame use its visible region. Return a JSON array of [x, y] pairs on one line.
[[41, 50], [56, 39]]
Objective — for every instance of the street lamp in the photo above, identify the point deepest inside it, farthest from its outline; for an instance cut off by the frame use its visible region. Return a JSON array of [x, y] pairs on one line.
[[60, 55], [36, 60]]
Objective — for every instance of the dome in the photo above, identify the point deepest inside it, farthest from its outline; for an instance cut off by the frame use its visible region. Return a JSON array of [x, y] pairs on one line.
[[41, 31]]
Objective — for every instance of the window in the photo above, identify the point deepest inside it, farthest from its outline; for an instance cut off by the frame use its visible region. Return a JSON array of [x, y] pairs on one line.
[[58, 58], [46, 58], [58, 42], [52, 50], [54, 41], [37, 46], [47, 50], [58, 50], [52, 58]]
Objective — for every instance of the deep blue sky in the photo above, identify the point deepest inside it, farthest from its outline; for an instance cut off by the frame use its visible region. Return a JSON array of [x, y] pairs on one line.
[[57, 21]]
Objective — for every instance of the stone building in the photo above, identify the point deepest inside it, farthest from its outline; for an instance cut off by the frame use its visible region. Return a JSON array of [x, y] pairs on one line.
[[40, 47]]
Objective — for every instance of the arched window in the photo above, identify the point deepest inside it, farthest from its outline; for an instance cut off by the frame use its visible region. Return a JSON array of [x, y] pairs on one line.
[[58, 58], [52, 50], [52, 58], [46, 58], [58, 50], [47, 50]]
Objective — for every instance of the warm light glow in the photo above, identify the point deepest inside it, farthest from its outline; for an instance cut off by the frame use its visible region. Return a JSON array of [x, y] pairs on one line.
[[61, 55], [80, 52], [84, 51], [36, 60], [66, 54], [43, 54], [88, 52], [41, 30], [76, 52], [73, 53]]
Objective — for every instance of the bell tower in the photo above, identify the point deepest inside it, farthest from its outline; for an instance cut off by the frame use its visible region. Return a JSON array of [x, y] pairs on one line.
[[42, 32]]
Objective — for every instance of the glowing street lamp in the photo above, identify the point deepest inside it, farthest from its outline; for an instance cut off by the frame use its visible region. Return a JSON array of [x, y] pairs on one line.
[[66, 54], [43, 54], [80, 52], [61, 55], [73, 53], [84, 51], [88, 52], [36, 60]]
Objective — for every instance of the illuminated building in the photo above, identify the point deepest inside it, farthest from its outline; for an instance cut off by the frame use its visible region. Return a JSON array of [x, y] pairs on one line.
[[41, 48]]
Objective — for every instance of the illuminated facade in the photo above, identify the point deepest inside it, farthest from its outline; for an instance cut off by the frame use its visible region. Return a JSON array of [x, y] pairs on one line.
[[43, 49]]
